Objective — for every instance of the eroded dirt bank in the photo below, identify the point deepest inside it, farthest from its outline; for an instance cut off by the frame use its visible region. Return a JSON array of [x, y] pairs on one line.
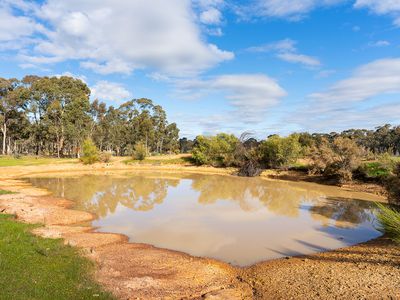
[[136, 271]]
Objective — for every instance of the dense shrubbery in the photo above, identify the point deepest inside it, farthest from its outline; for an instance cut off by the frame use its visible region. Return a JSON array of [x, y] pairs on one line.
[[338, 158], [380, 169], [393, 185], [90, 152], [278, 152], [217, 151]]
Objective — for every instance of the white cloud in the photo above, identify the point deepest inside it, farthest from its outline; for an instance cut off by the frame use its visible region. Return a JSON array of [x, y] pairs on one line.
[[352, 102], [381, 43], [118, 36], [111, 91], [251, 95], [287, 51], [83, 78], [211, 16], [299, 58], [375, 78], [382, 7], [288, 9]]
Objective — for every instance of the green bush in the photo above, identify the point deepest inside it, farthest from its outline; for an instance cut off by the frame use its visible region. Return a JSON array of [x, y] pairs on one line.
[[217, 151], [380, 169], [90, 152], [280, 152], [139, 151], [389, 222]]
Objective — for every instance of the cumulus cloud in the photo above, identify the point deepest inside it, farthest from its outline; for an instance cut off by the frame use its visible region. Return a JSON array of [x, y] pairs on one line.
[[382, 7], [118, 36], [375, 78], [286, 50], [211, 16], [110, 91], [340, 105], [251, 95]]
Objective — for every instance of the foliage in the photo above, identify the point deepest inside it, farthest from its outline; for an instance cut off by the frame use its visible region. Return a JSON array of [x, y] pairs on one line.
[[90, 152], [53, 115], [389, 222], [105, 156], [55, 271], [380, 169], [218, 151], [140, 151], [393, 185], [335, 159], [279, 151]]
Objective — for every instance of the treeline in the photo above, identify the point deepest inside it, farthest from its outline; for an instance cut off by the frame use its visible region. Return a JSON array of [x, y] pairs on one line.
[[339, 157], [384, 139], [54, 115]]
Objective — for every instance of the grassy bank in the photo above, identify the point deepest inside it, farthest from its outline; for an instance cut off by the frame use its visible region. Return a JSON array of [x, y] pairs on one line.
[[8, 161], [35, 268], [3, 192]]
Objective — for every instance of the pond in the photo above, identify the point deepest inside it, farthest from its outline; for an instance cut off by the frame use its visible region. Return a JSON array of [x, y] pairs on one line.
[[241, 221]]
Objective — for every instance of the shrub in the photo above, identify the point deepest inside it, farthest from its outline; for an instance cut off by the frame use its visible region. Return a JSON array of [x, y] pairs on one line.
[[217, 151], [393, 185], [389, 222], [139, 151], [105, 156], [279, 151], [335, 159], [90, 152]]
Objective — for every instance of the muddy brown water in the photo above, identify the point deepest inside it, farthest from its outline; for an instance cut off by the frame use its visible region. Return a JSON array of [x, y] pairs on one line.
[[241, 221]]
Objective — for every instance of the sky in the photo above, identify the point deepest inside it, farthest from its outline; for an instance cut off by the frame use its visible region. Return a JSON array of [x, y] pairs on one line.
[[259, 66]]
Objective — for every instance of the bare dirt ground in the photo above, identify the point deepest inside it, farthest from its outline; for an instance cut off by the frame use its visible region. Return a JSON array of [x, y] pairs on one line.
[[136, 271]]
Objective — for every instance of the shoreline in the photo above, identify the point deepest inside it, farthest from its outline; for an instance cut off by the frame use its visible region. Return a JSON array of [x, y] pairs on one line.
[[131, 270]]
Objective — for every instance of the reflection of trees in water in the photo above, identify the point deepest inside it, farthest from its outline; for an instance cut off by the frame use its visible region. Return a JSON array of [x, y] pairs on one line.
[[102, 194], [346, 213], [280, 198]]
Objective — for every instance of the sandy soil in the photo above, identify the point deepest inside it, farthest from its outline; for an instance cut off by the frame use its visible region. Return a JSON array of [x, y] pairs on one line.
[[136, 271]]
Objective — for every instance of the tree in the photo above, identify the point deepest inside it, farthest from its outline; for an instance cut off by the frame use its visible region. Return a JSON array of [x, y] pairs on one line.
[[12, 102]]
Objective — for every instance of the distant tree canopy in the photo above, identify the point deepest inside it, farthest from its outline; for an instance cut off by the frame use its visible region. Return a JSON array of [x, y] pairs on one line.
[[53, 116]]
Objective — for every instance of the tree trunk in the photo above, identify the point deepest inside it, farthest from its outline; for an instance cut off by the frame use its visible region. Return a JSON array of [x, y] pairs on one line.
[[4, 131]]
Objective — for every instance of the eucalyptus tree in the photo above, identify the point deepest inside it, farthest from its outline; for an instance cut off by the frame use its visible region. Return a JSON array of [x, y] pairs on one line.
[[12, 102]]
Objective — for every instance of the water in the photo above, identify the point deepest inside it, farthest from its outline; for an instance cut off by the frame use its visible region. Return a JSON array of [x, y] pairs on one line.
[[241, 221]]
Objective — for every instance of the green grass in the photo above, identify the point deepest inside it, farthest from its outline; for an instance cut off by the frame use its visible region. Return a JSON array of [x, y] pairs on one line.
[[35, 268], [375, 170], [389, 222], [8, 161], [4, 192]]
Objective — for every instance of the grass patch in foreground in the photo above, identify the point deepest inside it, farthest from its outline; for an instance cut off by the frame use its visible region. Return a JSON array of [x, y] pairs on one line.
[[35, 268], [8, 161], [4, 192], [389, 222]]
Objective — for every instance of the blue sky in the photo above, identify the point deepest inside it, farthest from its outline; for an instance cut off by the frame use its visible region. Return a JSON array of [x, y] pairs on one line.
[[265, 66]]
